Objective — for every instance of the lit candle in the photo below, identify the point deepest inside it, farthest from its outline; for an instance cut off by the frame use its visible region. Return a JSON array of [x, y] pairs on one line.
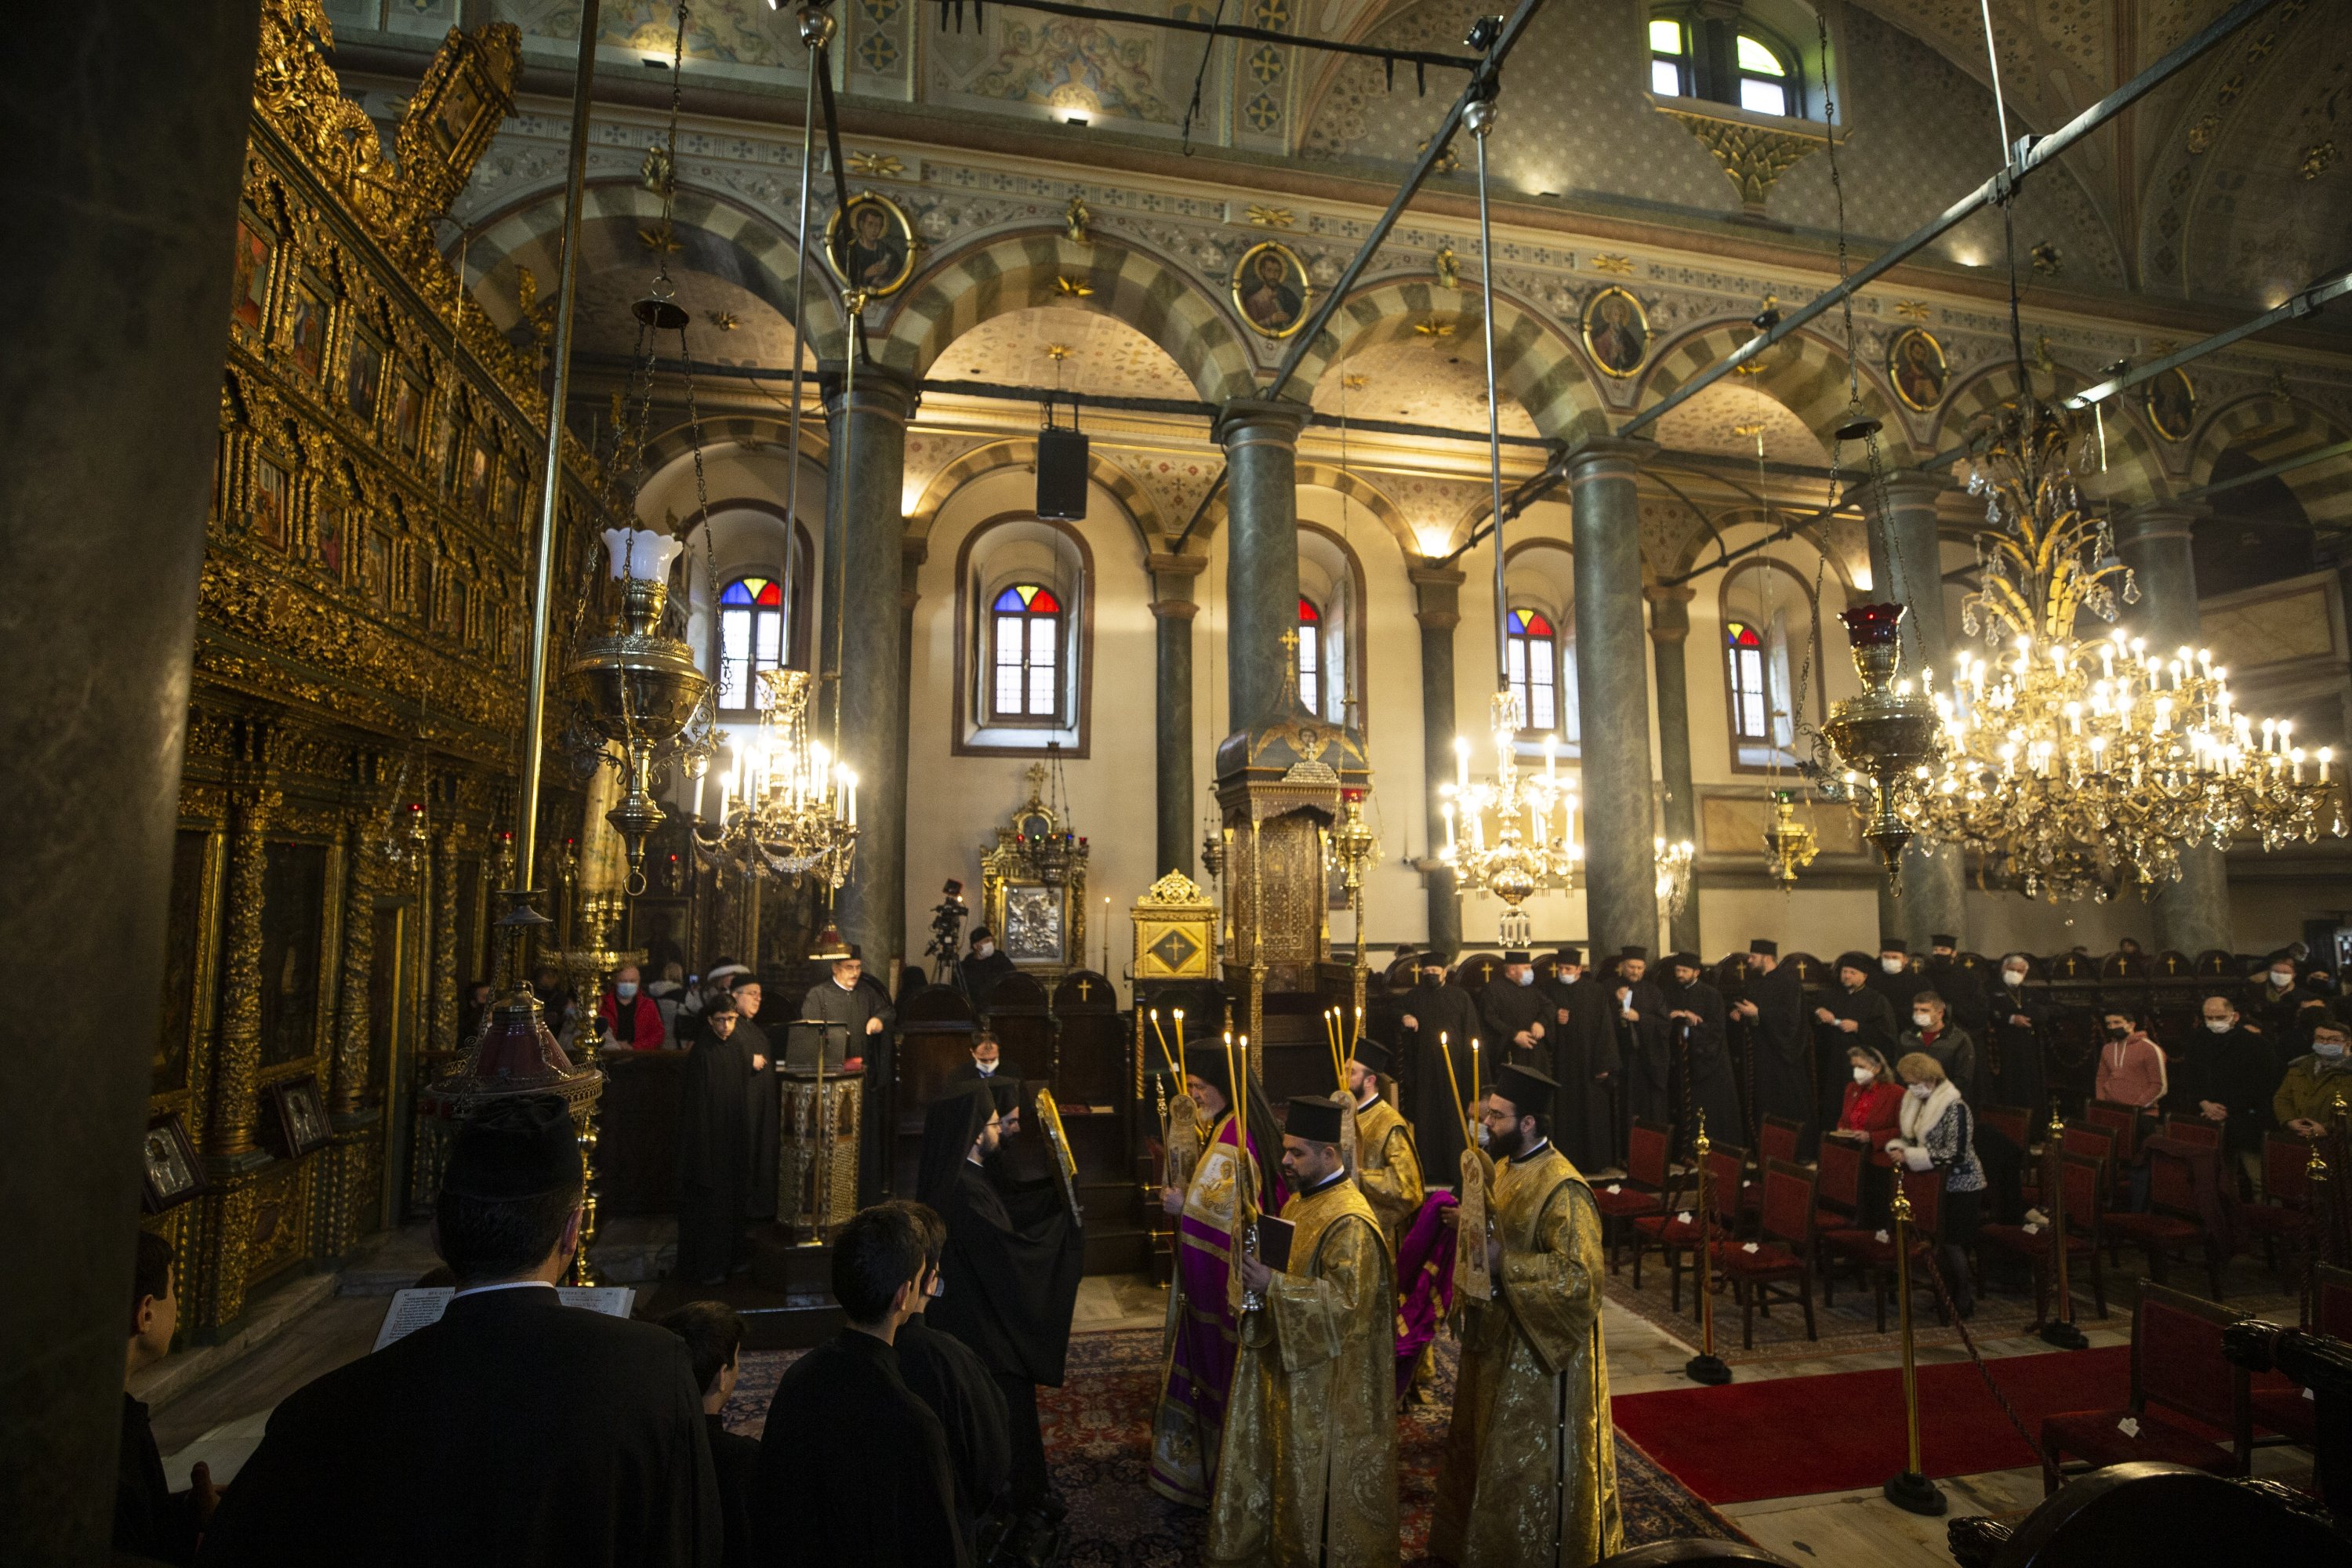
[[701, 782], [2326, 755]]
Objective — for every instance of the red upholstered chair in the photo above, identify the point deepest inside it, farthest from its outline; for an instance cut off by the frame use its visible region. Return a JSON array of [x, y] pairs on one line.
[[1873, 1249], [1678, 1239], [2122, 1121], [2172, 1223], [1838, 1195], [2081, 1174], [1777, 1136], [2193, 1130], [2178, 1369], [2015, 1123], [2284, 1214], [1762, 1270], [2099, 1143], [1643, 1189]]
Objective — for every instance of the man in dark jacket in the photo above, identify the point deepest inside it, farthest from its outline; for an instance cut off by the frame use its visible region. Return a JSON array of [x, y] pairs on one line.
[[1774, 1011], [2227, 1077], [985, 965], [2279, 1008], [516, 1430], [1855, 1015], [1434, 1011], [1961, 986]]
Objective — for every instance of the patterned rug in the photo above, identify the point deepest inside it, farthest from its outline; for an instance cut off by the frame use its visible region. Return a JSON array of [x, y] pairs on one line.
[[1098, 1439]]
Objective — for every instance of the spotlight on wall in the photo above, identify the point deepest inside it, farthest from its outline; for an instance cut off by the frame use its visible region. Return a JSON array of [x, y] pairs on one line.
[[1077, 120]]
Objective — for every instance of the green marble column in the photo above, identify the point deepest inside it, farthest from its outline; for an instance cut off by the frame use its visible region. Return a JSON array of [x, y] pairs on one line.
[[1437, 600], [1261, 442], [1670, 642], [1172, 608], [1621, 890]]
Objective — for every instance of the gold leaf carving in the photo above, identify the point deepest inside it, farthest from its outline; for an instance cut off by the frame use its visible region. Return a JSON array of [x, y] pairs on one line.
[[1753, 156]]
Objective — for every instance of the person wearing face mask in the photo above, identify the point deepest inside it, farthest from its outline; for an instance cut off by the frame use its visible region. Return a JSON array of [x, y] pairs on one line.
[[2314, 1085], [987, 1062], [1893, 977], [1774, 1013], [1962, 987], [1642, 1038], [1931, 1030], [2227, 1078], [1857, 1014], [1695, 1017], [633, 1020], [985, 965], [1937, 1133], [2131, 1064], [2012, 1065], [1872, 1098], [1434, 1011], [1586, 1062], [2280, 1008], [1511, 1013]]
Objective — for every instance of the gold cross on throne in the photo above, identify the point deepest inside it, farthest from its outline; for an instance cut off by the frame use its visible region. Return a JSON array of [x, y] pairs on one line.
[[1086, 989]]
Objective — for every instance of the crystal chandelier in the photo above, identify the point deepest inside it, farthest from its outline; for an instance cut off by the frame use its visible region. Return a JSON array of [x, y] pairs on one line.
[[789, 806], [1500, 837], [1674, 874]]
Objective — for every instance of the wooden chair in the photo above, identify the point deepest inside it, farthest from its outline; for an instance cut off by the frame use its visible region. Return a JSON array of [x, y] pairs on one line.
[[1643, 1191], [2331, 1299], [2123, 1120], [1761, 1270], [2031, 1244], [1873, 1249], [2015, 1123], [2177, 1367], [2284, 1214], [2172, 1222], [1837, 1197], [1776, 1137], [1676, 1238], [2193, 1130]]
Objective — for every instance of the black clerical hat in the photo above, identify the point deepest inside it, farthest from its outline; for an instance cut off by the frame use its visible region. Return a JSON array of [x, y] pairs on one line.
[[1530, 1091], [521, 1146], [1206, 1061], [1570, 955], [1516, 956], [1893, 944], [1685, 961], [1434, 959], [1630, 952], [1942, 941], [1371, 1054], [978, 932], [1314, 1119], [737, 982], [1861, 960], [1766, 946]]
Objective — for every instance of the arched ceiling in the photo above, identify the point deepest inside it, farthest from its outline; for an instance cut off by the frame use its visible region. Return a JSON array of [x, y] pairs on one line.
[[1728, 416], [1105, 357], [1438, 381]]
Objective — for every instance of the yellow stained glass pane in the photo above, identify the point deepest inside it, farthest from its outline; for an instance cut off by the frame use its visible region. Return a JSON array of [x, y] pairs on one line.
[[1666, 39], [1753, 56]]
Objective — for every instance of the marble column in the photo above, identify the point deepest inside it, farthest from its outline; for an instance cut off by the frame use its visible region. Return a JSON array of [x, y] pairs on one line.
[[1670, 642], [126, 121], [865, 576], [1261, 442], [2192, 914], [1437, 606], [1907, 568], [1620, 889], [1173, 607]]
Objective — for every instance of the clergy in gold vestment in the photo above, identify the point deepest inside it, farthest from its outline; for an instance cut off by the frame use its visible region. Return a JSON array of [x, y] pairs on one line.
[[1387, 1168], [1530, 1475], [1308, 1476]]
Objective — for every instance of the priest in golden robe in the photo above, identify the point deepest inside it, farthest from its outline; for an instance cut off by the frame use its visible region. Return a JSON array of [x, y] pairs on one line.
[[1530, 1475], [1308, 1476], [1387, 1168]]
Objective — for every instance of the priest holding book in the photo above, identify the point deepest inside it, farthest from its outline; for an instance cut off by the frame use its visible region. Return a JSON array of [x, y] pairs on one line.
[[1309, 1471]]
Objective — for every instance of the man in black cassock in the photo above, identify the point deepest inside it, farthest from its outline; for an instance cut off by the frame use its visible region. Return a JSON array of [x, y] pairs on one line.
[[516, 1430], [852, 1016], [1512, 1014], [1894, 978], [987, 1064], [764, 1098], [853, 1469], [1009, 1278], [1694, 1019], [985, 965], [714, 1144], [1638, 1010], [1777, 1041], [942, 1372], [1961, 987], [714, 1338], [150, 1520], [1434, 1010], [1856, 1013], [2012, 1059], [1586, 1062]]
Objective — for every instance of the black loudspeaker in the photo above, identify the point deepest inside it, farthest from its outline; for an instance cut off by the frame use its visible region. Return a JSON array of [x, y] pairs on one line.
[[1061, 475]]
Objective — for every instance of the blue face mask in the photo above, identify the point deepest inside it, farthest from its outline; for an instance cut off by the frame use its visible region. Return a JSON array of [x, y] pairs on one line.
[[627, 990]]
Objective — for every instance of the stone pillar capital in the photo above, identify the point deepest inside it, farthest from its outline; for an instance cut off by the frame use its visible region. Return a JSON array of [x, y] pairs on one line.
[[1607, 457], [1173, 610], [1172, 582], [1248, 421], [2160, 520], [1669, 610], [881, 389], [1437, 596], [1906, 487]]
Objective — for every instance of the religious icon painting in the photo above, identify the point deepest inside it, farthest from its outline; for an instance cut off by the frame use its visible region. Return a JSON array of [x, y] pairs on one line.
[[408, 415], [301, 1118], [271, 502], [331, 546], [1616, 331], [1271, 290], [1916, 364], [249, 295], [515, 494], [871, 244], [363, 380], [376, 570], [2171, 404], [306, 334], [1033, 923], [478, 479], [168, 1163]]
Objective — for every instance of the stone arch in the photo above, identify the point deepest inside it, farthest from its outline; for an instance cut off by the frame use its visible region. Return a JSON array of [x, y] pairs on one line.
[[2271, 429], [1535, 363], [753, 432], [1020, 451], [1804, 372], [961, 287], [2135, 466], [1364, 493]]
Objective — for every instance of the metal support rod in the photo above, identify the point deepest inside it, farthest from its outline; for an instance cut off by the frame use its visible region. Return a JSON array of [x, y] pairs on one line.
[[1476, 88], [1233, 30], [2270, 471], [2000, 105], [575, 178], [2307, 302], [1481, 118], [2001, 186], [816, 31]]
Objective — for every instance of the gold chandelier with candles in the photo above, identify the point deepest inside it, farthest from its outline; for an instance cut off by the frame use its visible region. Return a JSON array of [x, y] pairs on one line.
[[1514, 835], [2084, 766], [788, 807]]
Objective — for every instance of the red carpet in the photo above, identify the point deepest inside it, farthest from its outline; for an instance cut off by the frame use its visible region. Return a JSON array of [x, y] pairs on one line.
[[1791, 1436]]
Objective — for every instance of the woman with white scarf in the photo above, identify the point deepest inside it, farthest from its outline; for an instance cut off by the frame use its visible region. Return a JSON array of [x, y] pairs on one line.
[[1938, 1135]]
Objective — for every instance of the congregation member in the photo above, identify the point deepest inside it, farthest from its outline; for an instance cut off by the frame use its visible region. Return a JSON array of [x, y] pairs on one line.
[[1963, 990], [1439, 1020], [1585, 1061], [2280, 1007], [723, 1074], [1774, 1011], [1203, 1328], [1529, 1469], [987, 1061], [947, 1375], [1008, 1280], [668, 994], [1894, 978], [1936, 1133], [2012, 1058], [1640, 1017], [983, 965], [853, 1469], [1855, 1015], [838, 1015], [1387, 1168], [1511, 1012], [633, 1020], [2315, 1084], [516, 1430], [1308, 1475], [1873, 1100], [2226, 1080], [1695, 1015], [1932, 1030], [2131, 1064], [714, 1339], [150, 1520]]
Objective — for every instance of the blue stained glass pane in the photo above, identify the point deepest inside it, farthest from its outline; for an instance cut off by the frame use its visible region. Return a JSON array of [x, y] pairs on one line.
[[738, 593], [1519, 621], [1010, 600]]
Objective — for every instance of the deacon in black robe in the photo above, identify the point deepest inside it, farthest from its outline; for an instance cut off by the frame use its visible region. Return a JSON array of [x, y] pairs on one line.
[[1777, 1041], [714, 1144], [150, 1520], [853, 1468], [941, 1371], [735, 1459], [1514, 1018], [1432, 1010], [1638, 1013], [766, 1095], [982, 970], [1009, 1276], [1704, 1054], [1902, 984], [1855, 1015], [2014, 1065], [1960, 985], [1586, 1062]]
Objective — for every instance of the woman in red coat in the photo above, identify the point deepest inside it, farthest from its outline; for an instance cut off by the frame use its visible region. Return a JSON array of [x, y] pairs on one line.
[[1873, 1101]]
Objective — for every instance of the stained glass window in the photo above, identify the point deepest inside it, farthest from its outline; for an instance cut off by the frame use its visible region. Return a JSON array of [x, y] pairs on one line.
[[1751, 698], [1025, 655], [1695, 55], [750, 639], [1310, 655], [1531, 644], [1670, 74]]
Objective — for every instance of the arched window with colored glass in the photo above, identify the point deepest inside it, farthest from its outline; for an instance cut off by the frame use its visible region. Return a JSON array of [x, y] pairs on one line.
[[1751, 697], [1310, 655], [750, 639], [1727, 59], [1025, 655], [1531, 644]]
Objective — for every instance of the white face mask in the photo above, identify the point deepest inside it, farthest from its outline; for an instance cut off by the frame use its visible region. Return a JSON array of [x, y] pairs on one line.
[[2013, 977], [2331, 1049], [983, 949], [1892, 965], [1923, 1020], [2282, 978], [1483, 1135], [627, 990], [2221, 1026], [1523, 977], [1863, 1074], [1570, 973], [1923, 1090]]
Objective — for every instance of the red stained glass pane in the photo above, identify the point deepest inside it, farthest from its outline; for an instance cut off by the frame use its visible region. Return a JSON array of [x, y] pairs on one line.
[[1308, 613], [771, 594], [1537, 625], [1042, 602]]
